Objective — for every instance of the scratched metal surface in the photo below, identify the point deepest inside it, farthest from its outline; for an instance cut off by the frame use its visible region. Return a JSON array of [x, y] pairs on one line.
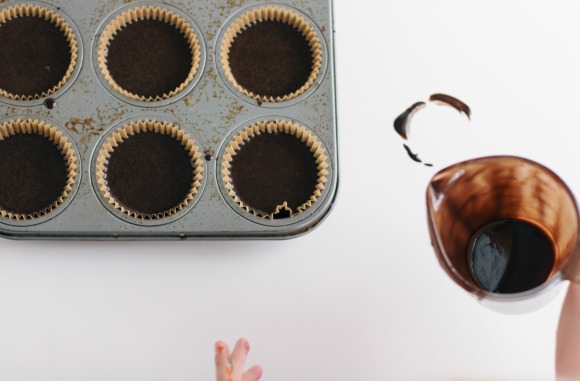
[[210, 112]]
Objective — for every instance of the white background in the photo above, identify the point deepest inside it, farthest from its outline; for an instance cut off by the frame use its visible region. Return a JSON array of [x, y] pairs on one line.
[[362, 297]]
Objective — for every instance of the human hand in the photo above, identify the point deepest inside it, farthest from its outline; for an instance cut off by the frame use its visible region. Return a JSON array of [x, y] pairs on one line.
[[230, 367], [568, 339]]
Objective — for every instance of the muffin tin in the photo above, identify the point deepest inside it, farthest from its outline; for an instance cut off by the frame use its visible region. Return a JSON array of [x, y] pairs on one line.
[[166, 120]]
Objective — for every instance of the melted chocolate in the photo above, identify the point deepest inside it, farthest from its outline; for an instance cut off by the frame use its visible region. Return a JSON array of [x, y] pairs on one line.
[[150, 173], [271, 59], [33, 173], [271, 169], [414, 156], [452, 102], [35, 56], [403, 122], [149, 58], [510, 256]]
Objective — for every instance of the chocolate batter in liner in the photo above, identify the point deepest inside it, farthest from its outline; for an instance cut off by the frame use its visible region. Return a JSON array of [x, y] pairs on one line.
[[143, 128], [149, 14], [290, 133], [59, 61], [51, 184], [268, 17]]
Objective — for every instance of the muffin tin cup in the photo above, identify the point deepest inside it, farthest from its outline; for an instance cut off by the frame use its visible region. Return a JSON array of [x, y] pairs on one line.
[[254, 14], [273, 125], [123, 132], [63, 142], [157, 12], [59, 18]]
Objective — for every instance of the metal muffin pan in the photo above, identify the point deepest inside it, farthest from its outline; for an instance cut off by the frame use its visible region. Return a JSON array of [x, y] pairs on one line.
[[209, 110]]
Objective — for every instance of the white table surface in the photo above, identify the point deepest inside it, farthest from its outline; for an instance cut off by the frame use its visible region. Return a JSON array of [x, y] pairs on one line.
[[362, 297]]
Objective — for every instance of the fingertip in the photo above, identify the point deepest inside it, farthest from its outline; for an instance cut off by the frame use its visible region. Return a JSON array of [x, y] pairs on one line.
[[258, 371], [243, 343], [220, 347], [254, 373], [240, 351]]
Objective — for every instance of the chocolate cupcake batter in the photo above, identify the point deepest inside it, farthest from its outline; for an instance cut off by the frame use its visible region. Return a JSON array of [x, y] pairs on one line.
[[35, 56], [271, 169], [149, 58], [271, 58], [150, 173], [33, 173]]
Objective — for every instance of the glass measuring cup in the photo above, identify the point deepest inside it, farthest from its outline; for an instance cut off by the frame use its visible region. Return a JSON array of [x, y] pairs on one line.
[[466, 202]]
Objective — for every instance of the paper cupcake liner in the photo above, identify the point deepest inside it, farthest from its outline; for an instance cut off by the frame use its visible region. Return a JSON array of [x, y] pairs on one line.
[[279, 14], [148, 13], [272, 127], [37, 127], [32, 10], [158, 127]]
